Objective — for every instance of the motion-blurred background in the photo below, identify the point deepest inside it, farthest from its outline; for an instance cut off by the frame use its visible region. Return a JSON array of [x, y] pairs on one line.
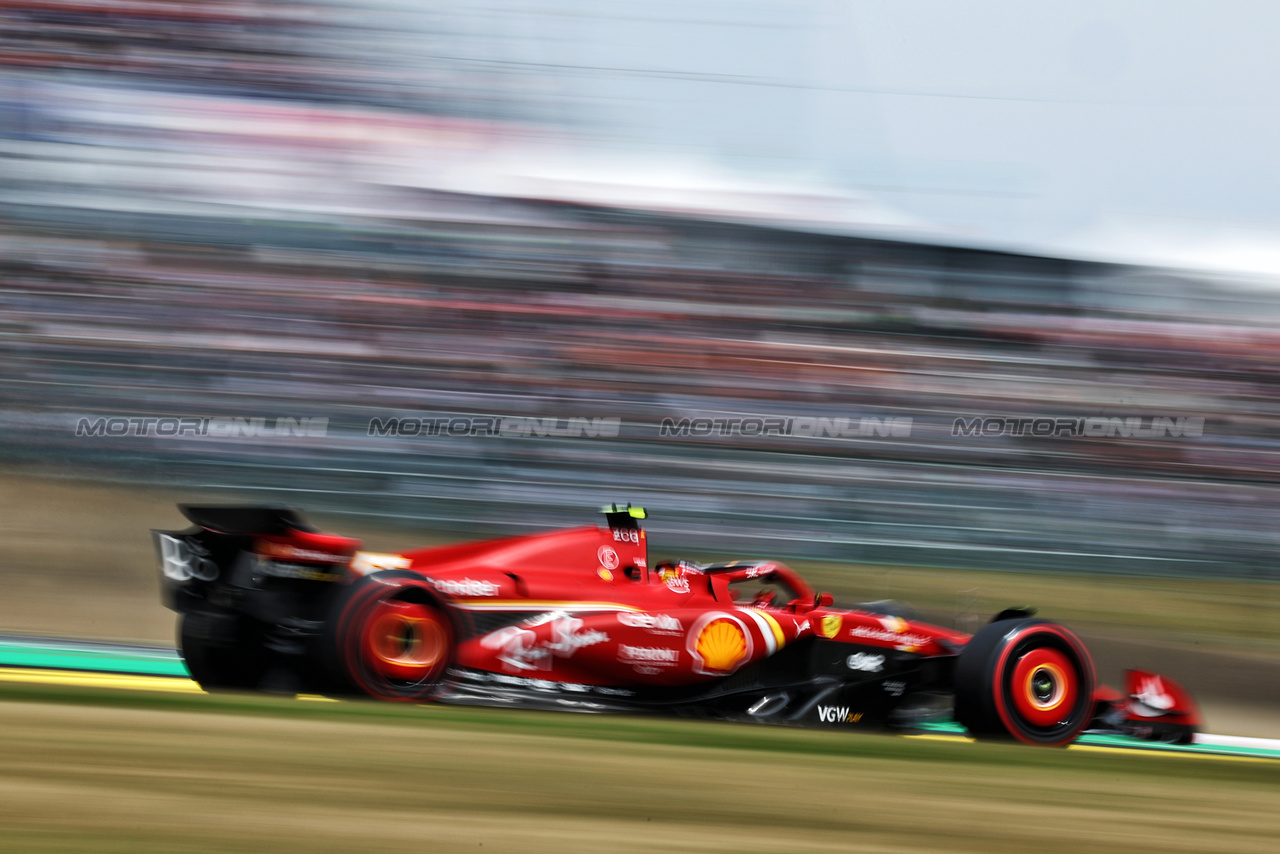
[[234, 234], [700, 210]]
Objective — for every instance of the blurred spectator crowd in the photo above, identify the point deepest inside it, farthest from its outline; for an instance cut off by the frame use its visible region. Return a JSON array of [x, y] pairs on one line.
[[200, 219]]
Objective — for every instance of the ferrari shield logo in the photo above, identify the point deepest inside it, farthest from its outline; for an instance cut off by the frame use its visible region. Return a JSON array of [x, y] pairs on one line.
[[830, 625]]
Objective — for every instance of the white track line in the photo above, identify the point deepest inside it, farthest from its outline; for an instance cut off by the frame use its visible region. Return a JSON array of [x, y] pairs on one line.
[[1211, 740]]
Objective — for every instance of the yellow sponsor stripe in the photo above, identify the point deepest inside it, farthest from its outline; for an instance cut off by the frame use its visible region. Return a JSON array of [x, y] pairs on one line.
[[777, 629], [770, 643], [170, 684], [167, 684]]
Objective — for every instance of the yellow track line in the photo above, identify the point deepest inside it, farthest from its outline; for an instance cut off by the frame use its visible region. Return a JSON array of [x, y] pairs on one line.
[[84, 678], [167, 684]]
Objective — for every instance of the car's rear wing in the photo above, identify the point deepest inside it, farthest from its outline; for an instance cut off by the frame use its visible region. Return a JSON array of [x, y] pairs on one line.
[[246, 518], [244, 547]]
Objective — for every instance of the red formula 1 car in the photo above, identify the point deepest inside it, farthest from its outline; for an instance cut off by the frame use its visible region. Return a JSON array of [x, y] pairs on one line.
[[579, 619]]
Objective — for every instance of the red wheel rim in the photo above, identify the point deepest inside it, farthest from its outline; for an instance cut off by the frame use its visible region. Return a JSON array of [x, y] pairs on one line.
[[1044, 686], [404, 641]]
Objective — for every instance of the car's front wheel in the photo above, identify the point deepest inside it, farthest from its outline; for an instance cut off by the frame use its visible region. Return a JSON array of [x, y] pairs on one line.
[[1028, 679]]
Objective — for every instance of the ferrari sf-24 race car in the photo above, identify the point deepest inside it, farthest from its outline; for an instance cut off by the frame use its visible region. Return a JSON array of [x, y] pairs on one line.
[[579, 619]]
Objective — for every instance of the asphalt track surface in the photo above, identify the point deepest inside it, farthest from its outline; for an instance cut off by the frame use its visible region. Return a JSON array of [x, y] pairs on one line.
[[53, 661]]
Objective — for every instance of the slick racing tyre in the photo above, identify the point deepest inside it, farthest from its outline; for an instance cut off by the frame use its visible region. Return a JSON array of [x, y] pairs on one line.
[[221, 652], [1028, 679], [389, 637]]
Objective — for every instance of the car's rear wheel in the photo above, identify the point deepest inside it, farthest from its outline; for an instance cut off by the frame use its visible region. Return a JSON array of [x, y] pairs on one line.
[[1031, 680], [390, 638], [220, 651]]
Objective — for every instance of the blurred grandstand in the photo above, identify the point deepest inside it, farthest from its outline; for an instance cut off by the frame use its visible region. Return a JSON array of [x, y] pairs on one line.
[[226, 209]]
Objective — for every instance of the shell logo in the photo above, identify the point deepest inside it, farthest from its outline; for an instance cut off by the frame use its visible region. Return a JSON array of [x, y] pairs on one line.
[[830, 625], [719, 644]]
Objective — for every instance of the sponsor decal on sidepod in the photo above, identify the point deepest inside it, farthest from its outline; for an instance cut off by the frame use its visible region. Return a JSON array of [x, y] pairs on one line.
[[649, 660], [657, 624], [519, 648], [719, 644], [648, 654]]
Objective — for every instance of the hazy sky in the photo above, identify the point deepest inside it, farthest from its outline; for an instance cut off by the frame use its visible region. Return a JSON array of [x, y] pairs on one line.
[[1144, 130]]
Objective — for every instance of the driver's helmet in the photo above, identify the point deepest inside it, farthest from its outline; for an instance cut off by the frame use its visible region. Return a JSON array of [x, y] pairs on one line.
[[675, 569], [671, 571]]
